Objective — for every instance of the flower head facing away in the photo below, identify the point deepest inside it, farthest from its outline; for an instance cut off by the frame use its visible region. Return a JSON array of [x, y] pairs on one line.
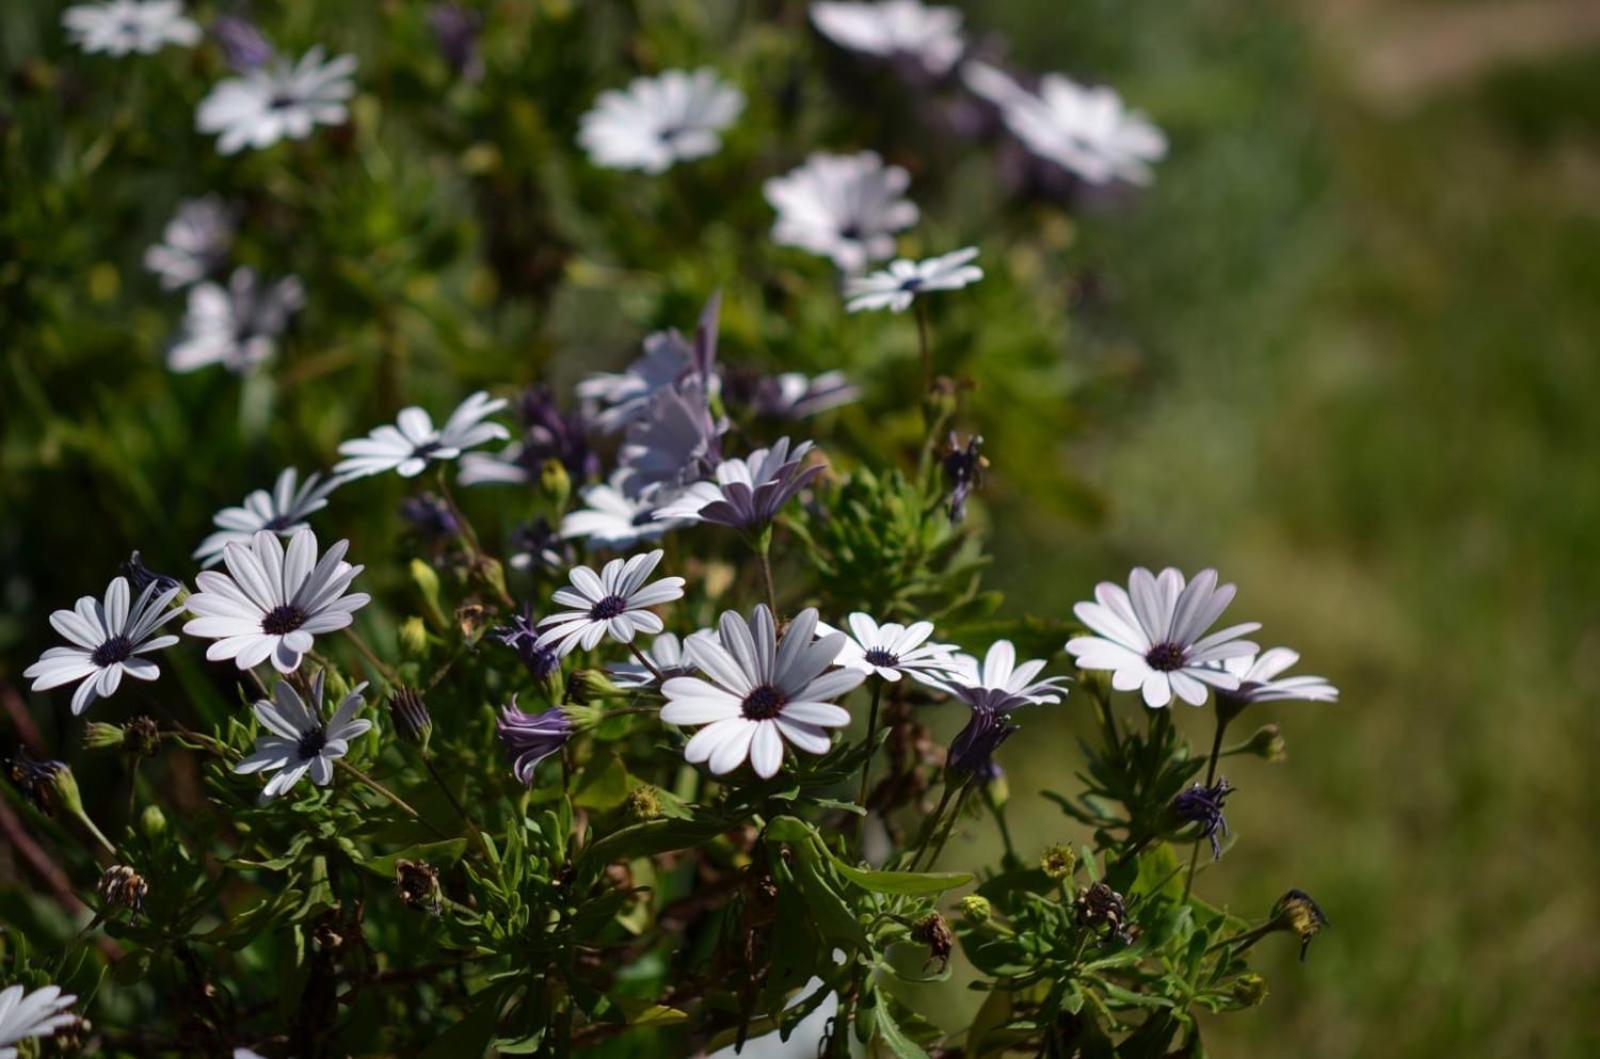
[[547, 434], [963, 466], [242, 42], [237, 326], [747, 494], [194, 244], [1260, 680], [890, 649], [278, 100], [282, 510], [529, 738], [412, 441], [673, 117], [611, 603], [791, 394], [896, 286], [999, 674], [522, 636], [843, 207], [666, 653], [109, 638], [895, 29], [25, 1015], [300, 739], [1152, 636], [123, 27], [760, 692], [273, 602]]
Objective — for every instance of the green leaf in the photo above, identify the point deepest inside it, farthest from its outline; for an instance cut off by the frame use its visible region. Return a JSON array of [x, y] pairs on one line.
[[906, 883], [890, 1033], [664, 835], [603, 785], [436, 853], [642, 1013]]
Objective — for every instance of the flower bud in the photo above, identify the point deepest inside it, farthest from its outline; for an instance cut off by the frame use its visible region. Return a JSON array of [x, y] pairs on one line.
[[152, 823], [581, 718], [1268, 743], [410, 715], [995, 786], [142, 736], [417, 883], [976, 908], [587, 685], [555, 483], [414, 637], [1248, 990], [122, 887], [1059, 861], [1297, 913], [98, 735], [643, 803]]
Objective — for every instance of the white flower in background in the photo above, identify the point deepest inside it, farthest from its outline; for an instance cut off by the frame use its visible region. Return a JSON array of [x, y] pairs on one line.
[[107, 639], [929, 35], [408, 445], [761, 692], [677, 442], [36, 1014], [1260, 680], [283, 511], [300, 740], [673, 117], [1152, 636], [747, 494], [278, 100], [999, 672], [667, 653], [894, 287], [844, 207], [1087, 131], [611, 519], [890, 649], [272, 603], [194, 244], [796, 395], [613, 602], [119, 27], [237, 327]]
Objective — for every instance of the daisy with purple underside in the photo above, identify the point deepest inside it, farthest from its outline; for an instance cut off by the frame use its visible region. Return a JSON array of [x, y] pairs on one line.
[[760, 692], [108, 638], [283, 510], [25, 1015], [999, 672], [299, 739], [1152, 636], [531, 737], [407, 446], [611, 603], [747, 494], [891, 649], [1260, 679], [612, 519]]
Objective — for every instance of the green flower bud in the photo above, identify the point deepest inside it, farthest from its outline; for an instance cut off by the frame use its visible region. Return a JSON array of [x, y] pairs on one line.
[[152, 822], [1248, 990], [582, 717], [101, 736], [1297, 913], [1268, 743], [64, 791], [554, 483], [1059, 861], [976, 908], [414, 637], [643, 803], [587, 685], [998, 791]]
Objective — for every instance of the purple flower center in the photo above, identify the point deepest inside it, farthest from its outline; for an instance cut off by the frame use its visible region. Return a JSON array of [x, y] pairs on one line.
[[880, 656], [116, 649], [764, 703], [281, 101], [426, 449], [311, 743], [277, 523], [1166, 657], [280, 621], [608, 608]]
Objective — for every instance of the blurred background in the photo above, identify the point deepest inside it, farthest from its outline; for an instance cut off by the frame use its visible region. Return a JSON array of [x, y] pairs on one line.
[[1344, 349]]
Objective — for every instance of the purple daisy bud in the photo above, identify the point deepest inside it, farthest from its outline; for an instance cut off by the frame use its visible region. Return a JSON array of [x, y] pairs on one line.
[[430, 517], [972, 750], [963, 472], [1202, 806], [243, 44], [529, 738], [522, 637], [141, 576], [550, 434]]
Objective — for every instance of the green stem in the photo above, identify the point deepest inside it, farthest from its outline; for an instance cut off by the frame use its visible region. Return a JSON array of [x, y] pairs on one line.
[[1011, 858], [371, 656], [401, 803], [950, 824], [924, 346], [931, 823], [872, 731], [763, 545], [644, 660]]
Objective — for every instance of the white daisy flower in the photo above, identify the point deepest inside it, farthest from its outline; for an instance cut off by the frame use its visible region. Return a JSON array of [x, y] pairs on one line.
[[667, 653], [272, 603], [894, 287], [747, 493], [107, 639], [673, 117], [194, 244], [844, 207], [119, 27], [612, 602], [1152, 636], [276, 100], [796, 395], [890, 649], [283, 511], [931, 36], [299, 739], [1259, 680], [762, 692], [407, 446], [237, 327], [613, 520], [37, 1014], [1087, 131], [999, 672]]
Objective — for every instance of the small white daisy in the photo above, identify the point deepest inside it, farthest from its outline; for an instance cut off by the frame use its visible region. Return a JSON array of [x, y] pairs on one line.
[[760, 692], [237, 327], [276, 100], [1086, 131], [612, 520], [283, 511], [930, 36], [272, 603], [894, 287], [27, 1015], [407, 446], [667, 653], [612, 602], [673, 117], [107, 638], [999, 672], [119, 27], [299, 739], [844, 207], [1259, 680], [194, 244], [747, 493], [891, 649], [1152, 636]]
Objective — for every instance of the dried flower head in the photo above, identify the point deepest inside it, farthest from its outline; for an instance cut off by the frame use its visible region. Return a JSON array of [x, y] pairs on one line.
[[1296, 912], [417, 883], [1101, 907], [122, 887], [935, 933]]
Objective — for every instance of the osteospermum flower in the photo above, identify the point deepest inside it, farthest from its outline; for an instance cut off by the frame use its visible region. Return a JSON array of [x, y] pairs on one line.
[[547, 434], [844, 207], [611, 603], [237, 327], [793, 394], [611, 519], [973, 748], [120, 27], [999, 672], [108, 637], [890, 649], [194, 244], [1259, 680], [531, 737], [760, 692], [278, 100], [747, 494], [657, 121], [895, 287], [673, 445], [1152, 636], [408, 445], [283, 510], [25, 1015], [299, 739], [1087, 131], [929, 36], [272, 603]]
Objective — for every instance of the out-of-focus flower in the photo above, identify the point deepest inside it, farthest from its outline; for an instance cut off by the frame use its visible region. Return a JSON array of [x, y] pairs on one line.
[[843, 207], [667, 653], [283, 511], [889, 649], [429, 517], [272, 603], [929, 36], [300, 740], [895, 287], [542, 661], [623, 397], [1000, 672], [537, 546], [408, 445], [747, 494], [141, 577], [530, 738], [791, 394], [237, 326], [1260, 680], [1086, 131], [278, 100], [35, 779], [675, 443], [611, 519], [614, 602], [963, 466], [242, 42], [759, 692], [27, 1015], [455, 31], [1152, 636], [108, 637], [658, 121], [121, 27], [1202, 806], [194, 244], [547, 434], [122, 887]]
